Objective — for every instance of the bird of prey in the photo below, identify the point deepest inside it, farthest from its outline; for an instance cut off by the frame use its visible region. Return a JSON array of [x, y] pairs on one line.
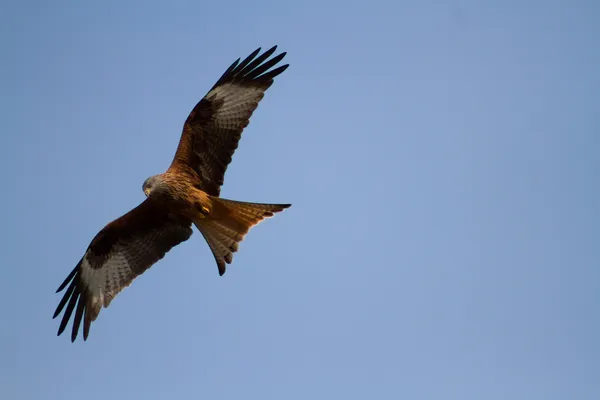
[[187, 193]]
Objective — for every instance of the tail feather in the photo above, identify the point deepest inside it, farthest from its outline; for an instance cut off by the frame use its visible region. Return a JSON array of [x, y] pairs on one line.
[[229, 222]]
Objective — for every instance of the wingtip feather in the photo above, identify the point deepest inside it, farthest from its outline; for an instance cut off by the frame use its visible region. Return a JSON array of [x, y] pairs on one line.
[[68, 278]]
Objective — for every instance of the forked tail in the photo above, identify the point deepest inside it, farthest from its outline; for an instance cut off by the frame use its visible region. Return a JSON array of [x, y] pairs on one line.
[[229, 222]]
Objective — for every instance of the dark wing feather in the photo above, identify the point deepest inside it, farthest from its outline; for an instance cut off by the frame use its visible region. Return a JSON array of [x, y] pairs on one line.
[[213, 129], [119, 253]]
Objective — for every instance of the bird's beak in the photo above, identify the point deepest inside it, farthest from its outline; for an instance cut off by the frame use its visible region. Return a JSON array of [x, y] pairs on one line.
[[147, 192]]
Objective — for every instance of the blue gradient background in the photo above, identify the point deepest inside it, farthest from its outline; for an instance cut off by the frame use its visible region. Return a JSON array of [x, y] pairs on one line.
[[442, 159]]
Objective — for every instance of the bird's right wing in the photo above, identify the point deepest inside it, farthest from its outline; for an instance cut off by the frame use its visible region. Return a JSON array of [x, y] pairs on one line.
[[123, 250], [213, 129]]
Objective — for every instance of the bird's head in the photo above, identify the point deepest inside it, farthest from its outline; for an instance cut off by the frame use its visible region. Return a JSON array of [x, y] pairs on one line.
[[150, 184]]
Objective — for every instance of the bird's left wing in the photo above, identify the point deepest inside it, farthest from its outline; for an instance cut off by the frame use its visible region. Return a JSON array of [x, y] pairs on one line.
[[214, 127], [123, 250]]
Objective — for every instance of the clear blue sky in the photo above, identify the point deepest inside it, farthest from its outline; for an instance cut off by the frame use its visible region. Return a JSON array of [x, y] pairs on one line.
[[442, 159]]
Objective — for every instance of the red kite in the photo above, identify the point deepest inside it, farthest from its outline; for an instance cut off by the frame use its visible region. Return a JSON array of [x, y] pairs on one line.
[[187, 193]]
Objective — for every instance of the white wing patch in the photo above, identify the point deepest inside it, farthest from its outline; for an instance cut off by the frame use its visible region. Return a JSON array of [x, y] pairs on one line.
[[106, 282], [236, 98]]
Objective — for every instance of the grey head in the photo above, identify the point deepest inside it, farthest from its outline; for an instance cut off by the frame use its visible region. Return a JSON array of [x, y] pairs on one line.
[[150, 184]]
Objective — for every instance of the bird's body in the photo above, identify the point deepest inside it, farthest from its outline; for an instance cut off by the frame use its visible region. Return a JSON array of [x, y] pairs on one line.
[[178, 193], [186, 194]]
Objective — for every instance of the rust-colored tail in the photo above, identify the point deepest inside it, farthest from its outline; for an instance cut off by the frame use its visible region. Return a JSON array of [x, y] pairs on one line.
[[227, 224]]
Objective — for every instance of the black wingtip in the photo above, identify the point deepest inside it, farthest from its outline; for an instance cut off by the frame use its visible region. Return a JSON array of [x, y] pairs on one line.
[[61, 329], [86, 325], [72, 295], [247, 60], [255, 67], [69, 278], [261, 71], [77, 318], [68, 294]]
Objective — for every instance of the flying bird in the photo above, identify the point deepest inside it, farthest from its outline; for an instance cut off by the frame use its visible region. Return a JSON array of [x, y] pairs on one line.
[[187, 193]]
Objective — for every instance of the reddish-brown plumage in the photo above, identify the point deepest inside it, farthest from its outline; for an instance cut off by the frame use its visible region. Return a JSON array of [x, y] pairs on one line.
[[213, 128], [187, 193]]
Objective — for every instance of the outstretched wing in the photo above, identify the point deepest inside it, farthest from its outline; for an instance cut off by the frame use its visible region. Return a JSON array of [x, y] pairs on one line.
[[213, 129], [121, 251]]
